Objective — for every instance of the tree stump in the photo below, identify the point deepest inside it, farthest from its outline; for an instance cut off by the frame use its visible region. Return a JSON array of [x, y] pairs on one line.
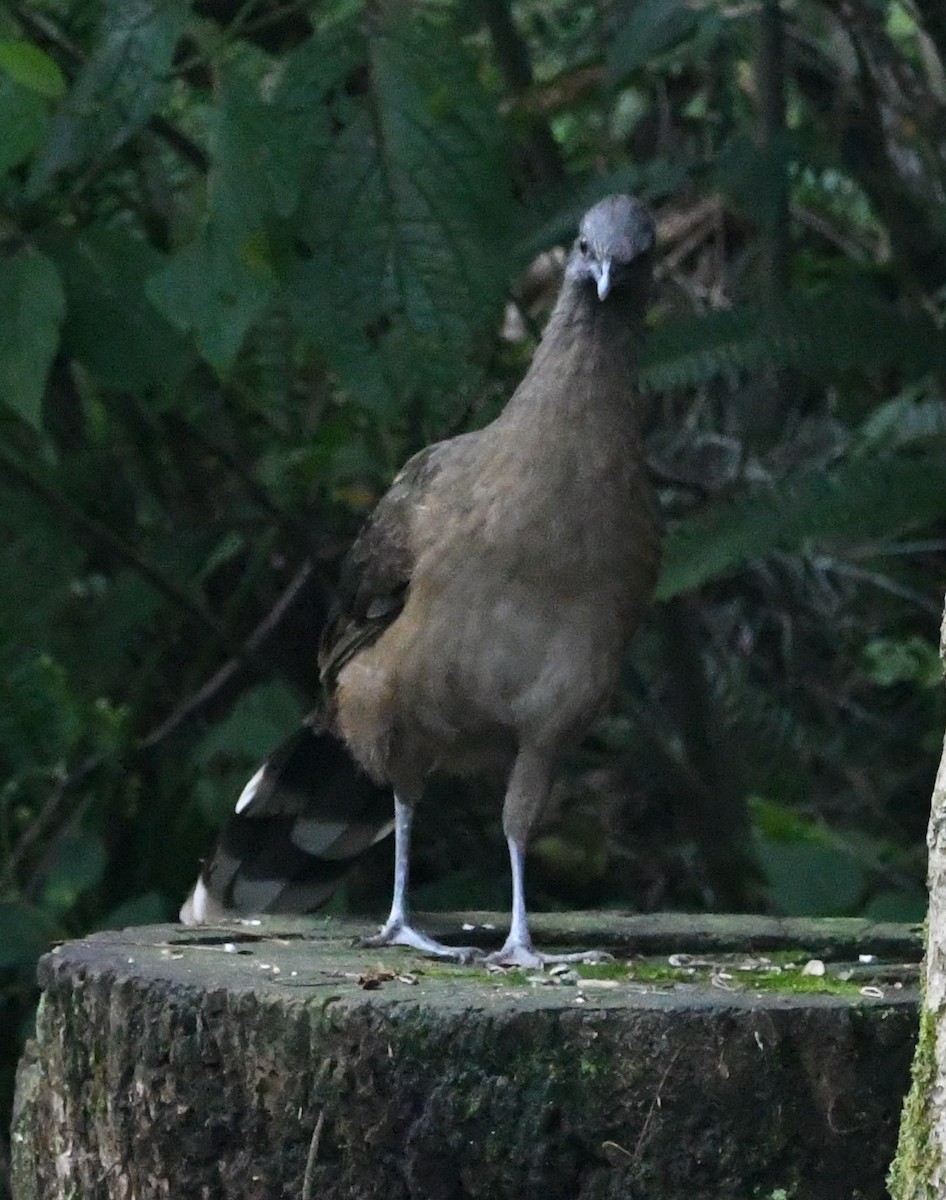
[[278, 1060]]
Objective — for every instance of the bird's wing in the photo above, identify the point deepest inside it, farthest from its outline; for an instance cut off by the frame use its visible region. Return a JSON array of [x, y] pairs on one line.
[[377, 570]]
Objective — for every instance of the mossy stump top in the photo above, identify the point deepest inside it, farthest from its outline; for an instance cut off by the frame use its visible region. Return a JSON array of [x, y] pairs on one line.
[[279, 1060]]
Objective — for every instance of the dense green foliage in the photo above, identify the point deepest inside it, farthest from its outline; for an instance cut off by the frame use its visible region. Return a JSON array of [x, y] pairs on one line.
[[253, 253]]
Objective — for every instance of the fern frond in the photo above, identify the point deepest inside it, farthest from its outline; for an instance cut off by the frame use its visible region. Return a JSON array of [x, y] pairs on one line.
[[913, 416], [774, 742], [860, 500], [823, 336]]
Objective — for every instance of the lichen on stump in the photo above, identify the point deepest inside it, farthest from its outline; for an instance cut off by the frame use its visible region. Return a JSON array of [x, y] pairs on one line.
[[197, 1064]]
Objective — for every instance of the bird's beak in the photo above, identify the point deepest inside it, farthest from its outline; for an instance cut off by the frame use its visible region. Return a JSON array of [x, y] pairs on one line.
[[603, 277]]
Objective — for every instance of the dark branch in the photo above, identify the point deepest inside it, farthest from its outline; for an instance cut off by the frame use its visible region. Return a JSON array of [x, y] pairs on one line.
[[512, 56], [101, 534]]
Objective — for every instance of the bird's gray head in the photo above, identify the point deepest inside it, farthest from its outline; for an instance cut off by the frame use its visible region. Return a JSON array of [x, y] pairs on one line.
[[613, 238]]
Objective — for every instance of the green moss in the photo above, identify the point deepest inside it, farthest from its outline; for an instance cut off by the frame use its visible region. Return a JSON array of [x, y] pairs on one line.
[[917, 1158], [769, 980], [795, 984], [782, 974], [434, 970], [605, 970]]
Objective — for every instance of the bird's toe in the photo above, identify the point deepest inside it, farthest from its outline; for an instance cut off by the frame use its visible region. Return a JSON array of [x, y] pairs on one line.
[[399, 934], [524, 955]]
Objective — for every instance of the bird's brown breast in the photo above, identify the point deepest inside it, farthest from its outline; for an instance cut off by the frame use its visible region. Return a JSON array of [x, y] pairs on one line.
[[531, 574]]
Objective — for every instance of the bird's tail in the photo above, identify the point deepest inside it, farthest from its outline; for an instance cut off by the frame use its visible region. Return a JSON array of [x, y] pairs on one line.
[[298, 825]]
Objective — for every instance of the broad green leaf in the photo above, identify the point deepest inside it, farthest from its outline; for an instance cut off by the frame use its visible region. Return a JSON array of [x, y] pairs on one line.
[[409, 221], [33, 305], [229, 752], [147, 909], [40, 718], [213, 293], [111, 326], [216, 287], [32, 67], [852, 503], [652, 27], [118, 89], [300, 115], [811, 871], [25, 933], [245, 140], [907, 906], [807, 879], [77, 866], [105, 629], [463, 890], [756, 177], [39, 560], [255, 726], [23, 123]]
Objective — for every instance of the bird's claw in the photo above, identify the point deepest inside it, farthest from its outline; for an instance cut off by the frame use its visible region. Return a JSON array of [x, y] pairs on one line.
[[398, 933], [522, 954]]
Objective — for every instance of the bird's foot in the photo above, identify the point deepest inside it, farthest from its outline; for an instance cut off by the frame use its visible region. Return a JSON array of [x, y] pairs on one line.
[[398, 933], [524, 954]]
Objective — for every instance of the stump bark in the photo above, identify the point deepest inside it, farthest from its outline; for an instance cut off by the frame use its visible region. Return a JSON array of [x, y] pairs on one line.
[[919, 1170], [180, 1063]]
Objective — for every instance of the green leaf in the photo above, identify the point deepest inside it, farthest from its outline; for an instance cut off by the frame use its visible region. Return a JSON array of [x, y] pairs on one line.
[[462, 890], [118, 89], [806, 879], [299, 114], [849, 504], [755, 177], [215, 288], [33, 68], [889, 661], [111, 327], [905, 420], [777, 822], [25, 934], [23, 123], [810, 871], [78, 865], [409, 219], [209, 291], [148, 909], [33, 304], [653, 27], [40, 718], [909, 907], [255, 726]]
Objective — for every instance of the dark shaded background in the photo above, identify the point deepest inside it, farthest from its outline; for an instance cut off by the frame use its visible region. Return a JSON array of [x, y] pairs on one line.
[[252, 255]]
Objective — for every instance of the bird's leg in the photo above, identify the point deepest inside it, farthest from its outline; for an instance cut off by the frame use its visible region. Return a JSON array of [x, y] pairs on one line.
[[528, 786], [397, 929]]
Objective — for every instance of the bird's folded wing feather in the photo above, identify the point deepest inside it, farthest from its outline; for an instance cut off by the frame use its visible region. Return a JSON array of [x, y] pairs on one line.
[[377, 570]]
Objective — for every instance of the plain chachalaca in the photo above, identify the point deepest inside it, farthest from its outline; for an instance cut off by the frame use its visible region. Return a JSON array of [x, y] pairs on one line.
[[481, 616]]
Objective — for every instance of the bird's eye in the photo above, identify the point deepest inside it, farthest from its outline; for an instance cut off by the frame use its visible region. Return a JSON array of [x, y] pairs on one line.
[[583, 245]]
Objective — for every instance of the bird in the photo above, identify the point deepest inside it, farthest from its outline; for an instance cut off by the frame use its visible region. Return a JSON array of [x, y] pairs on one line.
[[481, 617]]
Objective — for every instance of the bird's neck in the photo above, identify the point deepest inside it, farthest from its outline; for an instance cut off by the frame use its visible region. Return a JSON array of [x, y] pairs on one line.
[[568, 445], [587, 355]]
